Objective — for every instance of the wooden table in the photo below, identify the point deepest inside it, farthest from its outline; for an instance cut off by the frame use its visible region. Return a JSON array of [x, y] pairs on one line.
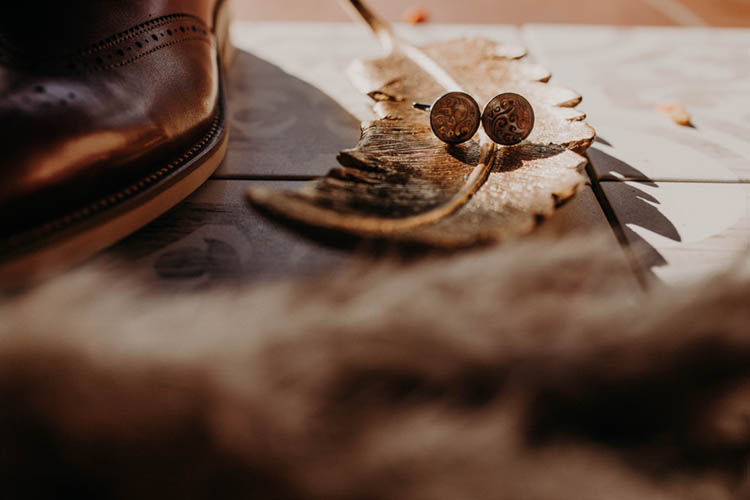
[[676, 198], [611, 12]]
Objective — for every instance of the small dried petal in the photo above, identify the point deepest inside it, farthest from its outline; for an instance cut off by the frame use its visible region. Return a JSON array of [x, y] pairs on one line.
[[415, 15], [677, 113]]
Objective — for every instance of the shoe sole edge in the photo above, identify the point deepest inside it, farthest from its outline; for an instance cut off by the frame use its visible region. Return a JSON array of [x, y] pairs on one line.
[[58, 250]]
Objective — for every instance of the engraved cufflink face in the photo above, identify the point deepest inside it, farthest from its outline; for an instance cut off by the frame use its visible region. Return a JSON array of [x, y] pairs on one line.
[[455, 117], [508, 119]]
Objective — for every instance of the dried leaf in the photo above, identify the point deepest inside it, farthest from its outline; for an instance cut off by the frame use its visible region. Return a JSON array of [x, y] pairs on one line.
[[415, 15], [402, 183], [677, 113]]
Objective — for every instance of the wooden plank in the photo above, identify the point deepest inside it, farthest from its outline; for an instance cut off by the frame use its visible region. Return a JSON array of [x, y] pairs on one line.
[[271, 110], [582, 214], [474, 11], [683, 231], [214, 238], [624, 73]]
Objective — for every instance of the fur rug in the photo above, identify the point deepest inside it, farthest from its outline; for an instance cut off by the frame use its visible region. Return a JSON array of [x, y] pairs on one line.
[[530, 371]]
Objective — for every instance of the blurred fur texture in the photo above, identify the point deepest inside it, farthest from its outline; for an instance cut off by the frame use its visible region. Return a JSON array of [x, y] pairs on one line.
[[531, 371]]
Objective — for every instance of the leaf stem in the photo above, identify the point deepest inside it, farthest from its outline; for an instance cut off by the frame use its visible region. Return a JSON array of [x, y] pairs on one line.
[[375, 225]]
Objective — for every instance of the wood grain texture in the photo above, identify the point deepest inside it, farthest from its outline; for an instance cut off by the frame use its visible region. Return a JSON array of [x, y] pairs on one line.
[[212, 240], [705, 70], [684, 231], [401, 183]]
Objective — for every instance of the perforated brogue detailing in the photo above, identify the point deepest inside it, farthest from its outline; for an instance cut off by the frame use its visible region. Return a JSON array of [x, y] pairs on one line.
[[118, 50], [33, 96]]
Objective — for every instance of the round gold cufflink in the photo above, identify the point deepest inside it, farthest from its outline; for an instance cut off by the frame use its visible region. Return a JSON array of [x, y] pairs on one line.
[[455, 117]]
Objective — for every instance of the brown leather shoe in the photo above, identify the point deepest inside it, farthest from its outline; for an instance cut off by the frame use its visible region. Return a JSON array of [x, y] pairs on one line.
[[112, 111]]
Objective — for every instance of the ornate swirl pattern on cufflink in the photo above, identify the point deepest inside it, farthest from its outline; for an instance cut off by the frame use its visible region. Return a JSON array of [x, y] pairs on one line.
[[454, 117], [508, 119]]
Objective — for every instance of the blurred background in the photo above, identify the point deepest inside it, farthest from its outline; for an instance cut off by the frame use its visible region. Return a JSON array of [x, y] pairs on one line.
[[619, 12]]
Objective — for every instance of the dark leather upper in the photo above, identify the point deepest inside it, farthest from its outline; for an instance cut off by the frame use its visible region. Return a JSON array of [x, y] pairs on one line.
[[94, 94]]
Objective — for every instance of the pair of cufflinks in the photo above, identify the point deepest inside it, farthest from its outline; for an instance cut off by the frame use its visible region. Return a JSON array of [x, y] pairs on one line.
[[455, 117]]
